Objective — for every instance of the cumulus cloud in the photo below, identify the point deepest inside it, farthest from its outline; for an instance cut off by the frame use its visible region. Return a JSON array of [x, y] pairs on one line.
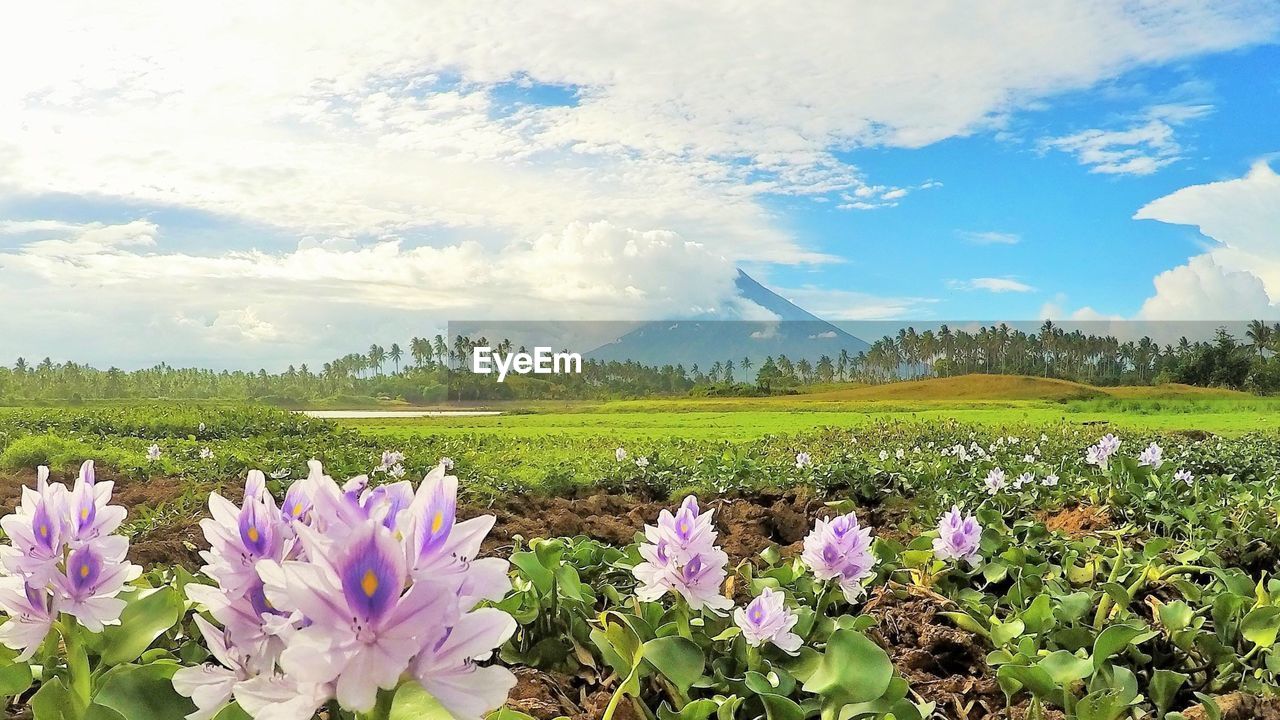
[[991, 284], [319, 298], [462, 160], [1203, 290]]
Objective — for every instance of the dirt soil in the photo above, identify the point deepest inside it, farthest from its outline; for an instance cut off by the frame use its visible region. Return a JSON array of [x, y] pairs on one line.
[[1078, 521], [747, 525], [1238, 706]]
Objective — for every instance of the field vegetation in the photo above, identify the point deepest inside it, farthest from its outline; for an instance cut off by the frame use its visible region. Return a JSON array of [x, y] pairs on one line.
[[1083, 576]]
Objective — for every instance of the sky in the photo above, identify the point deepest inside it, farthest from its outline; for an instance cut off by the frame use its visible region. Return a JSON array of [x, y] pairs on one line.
[[250, 185]]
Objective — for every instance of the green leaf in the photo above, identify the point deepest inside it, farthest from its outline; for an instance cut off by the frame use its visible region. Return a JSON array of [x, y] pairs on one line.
[[1261, 625], [232, 712], [145, 618], [15, 678], [411, 702], [1002, 633], [852, 670], [143, 692], [1164, 688], [1101, 705], [102, 712], [696, 710], [1035, 679], [540, 576], [1039, 616], [679, 659], [1111, 641], [777, 707], [1066, 668], [1176, 616], [54, 702], [508, 714]]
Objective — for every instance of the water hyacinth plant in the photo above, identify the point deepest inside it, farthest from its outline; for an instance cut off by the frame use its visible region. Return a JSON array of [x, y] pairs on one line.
[[345, 594], [840, 550], [63, 571], [681, 557]]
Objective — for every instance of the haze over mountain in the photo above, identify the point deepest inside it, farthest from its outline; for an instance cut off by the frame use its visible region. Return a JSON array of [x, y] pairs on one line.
[[768, 324]]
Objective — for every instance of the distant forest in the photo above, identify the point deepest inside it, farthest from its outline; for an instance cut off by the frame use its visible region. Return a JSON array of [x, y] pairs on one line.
[[432, 370]]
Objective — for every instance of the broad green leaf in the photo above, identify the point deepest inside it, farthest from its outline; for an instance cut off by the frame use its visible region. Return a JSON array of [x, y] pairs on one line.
[[1261, 625], [15, 678], [1002, 633], [232, 712], [696, 710], [146, 617], [677, 658], [54, 702], [1111, 641], [1035, 680], [777, 707], [1176, 615], [1066, 668], [1039, 616], [1101, 705], [143, 691], [102, 712], [1164, 687], [852, 670], [540, 576], [411, 702]]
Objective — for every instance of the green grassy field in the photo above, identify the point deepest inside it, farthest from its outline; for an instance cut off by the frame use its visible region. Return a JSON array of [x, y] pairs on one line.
[[987, 400]]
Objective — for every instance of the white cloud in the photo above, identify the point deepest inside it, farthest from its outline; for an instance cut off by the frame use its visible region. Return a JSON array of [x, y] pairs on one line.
[[1242, 215], [991, 284], [1138, 149], [337, 124], [846, 305], [318, 302], [1240, 276], [1202, 290], [989, 237]]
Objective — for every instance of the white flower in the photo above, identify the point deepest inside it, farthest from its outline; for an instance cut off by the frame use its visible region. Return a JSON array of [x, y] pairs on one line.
[[642, 462], [620, 454], [1049, 480], [995, 481]]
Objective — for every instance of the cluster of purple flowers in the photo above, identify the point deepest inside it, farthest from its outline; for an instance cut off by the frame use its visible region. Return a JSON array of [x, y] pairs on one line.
[[1152, 457], [840, 550], [1100, 454], [342, 592], [958, 537], [681, 556], [63, 558]]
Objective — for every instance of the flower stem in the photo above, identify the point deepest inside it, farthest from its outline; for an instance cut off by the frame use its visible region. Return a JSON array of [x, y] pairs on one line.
[[77, 662]]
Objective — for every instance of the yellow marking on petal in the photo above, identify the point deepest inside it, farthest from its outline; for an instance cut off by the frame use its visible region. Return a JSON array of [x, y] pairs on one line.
[[44, 531], [84, 513], [437, 522], [84, 571], [369, 584], [253, 534], [297, 509]]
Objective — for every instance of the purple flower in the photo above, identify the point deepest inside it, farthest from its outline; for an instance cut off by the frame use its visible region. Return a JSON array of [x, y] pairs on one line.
[[1025, 478], [89, 587], [803, 460], [1152, 457], [1100, 454], [1184, 476], [958, 537], [153, 453], [995, 481], [840, 550], [62, 558], [30, 616], [348, 591], [447, 668], [1049, 480], [767, 619], [681, 556]]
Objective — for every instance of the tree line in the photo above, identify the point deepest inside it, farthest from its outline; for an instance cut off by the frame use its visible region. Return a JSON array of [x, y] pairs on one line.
[[435, 370]]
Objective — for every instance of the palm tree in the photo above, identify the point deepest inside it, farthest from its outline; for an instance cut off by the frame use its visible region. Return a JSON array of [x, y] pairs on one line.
[[1260, 335], [395, 355]]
